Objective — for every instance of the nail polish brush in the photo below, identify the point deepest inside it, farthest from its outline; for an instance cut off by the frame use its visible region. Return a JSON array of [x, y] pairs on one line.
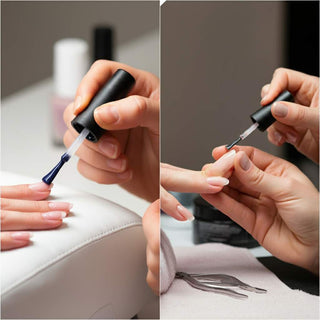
[[262, 118], [116, 88]]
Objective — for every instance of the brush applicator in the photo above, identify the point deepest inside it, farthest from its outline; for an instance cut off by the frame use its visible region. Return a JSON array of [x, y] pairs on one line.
[[262, 118]]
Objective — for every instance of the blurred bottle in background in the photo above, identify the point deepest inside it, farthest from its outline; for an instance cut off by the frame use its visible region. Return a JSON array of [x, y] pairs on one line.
[[70, 64], [103, 43]]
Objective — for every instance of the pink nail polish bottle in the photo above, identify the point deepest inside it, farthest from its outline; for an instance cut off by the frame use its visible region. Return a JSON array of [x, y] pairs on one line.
[[70, 64]]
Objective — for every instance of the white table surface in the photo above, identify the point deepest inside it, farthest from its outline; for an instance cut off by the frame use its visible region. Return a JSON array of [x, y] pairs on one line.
[[27, 148]]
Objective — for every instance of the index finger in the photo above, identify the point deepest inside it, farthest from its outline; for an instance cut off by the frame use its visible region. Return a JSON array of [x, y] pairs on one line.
[[146, 83], [301, 85]]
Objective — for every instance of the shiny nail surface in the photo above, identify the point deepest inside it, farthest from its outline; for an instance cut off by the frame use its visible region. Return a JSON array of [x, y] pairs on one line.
[[218, 181], [40, 186], [23, 235], [54, 215], [64, 206], [280, 109], [118, 164], [245, 162], [185, 212], [221, 165]]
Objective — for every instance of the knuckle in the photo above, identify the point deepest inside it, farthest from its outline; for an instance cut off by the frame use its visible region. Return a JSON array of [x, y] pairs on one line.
[[141, 105], [279, 71], [3, 216], [257, 177], [301, 114], [98, 64], [4, 204]]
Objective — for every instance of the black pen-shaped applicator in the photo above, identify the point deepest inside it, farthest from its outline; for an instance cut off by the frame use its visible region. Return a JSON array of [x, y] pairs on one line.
[[116, 88], [262, 118]]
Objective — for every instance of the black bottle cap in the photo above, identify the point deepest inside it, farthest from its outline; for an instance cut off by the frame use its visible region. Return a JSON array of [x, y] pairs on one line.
[[264, 116], [103, 43], [116, 88]]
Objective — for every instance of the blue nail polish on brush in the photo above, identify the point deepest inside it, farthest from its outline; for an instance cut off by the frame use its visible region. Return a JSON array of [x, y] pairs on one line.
[[116, 88]]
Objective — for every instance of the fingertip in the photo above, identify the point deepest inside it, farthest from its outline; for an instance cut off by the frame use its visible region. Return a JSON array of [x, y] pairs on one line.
[[218, 152]]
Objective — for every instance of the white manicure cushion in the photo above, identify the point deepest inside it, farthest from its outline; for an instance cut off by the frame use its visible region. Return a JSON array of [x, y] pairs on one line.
[[93, 266]]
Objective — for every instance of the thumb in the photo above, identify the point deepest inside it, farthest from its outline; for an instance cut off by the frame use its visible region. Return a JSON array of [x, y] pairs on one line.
[[256, 179], [296, 115]]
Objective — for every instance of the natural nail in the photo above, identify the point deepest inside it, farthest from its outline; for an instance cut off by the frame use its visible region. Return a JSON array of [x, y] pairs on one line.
[[118, 164], [54, 215], [108, 114], [60, 206], [280, 109], [127, 175], [278, 136], [108, 148], [185, 212], [40, 186], [221, 165], [245, 162], [21, 235], [291, 138], [217, 181]]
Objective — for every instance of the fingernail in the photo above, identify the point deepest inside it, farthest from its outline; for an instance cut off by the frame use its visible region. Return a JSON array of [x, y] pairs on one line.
[[280, 109], [278, 137], [108, 114], [60, 206], [185, 212], [245, 162], [265, 91], [217, 181], [21, 235], [54, 215], [127, 175], [291, 138], [77, 104], [264, 98], [221, 165], [118, 164], [108, 148], [40, 186]]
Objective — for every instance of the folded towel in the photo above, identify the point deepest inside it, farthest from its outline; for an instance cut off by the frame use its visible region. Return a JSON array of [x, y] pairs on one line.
[[182, 301], [167, 263]]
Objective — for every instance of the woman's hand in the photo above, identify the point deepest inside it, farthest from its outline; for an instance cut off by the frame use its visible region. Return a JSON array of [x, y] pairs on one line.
[[21, 209], [151, 228], [128, 153], [210, 180], [297, 123], [275, 202]]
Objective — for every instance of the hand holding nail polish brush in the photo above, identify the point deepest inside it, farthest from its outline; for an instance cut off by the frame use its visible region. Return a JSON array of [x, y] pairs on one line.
[[262, 118], [116, 88]]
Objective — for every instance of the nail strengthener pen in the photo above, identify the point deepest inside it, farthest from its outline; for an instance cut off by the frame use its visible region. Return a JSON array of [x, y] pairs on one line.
[[262, 118], [116, 88]]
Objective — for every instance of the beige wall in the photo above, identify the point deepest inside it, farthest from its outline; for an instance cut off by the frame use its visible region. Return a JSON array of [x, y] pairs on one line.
[[29, 29], [215, 57]]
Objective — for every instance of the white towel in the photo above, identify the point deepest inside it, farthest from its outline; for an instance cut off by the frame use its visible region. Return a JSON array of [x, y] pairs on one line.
[[280, 302]]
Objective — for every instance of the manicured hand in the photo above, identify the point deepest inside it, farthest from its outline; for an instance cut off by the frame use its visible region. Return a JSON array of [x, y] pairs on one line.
[[297, 123], [128, 153], [275, 202], [23, 208]]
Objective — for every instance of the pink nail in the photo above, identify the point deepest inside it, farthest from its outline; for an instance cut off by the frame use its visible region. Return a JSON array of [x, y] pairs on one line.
[[108, 148], [60, 206], [218, 181], [221, 165], [127, 175], [54, 215], [118, 164], [40, 186], [278, 137], [291, 138], [185, 212], [21, 235]]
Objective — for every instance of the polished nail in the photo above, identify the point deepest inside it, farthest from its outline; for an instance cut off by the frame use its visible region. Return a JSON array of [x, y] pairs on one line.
[[40, 186], [245, 162], [54, 215], [108, 114], [221, 165], [77, 104], [280, 109], [108, 148], [23, 235], [118, 164], [291, 138], [127, 175], [217, 181], [185, 212], [60, 206], [278, 137]]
